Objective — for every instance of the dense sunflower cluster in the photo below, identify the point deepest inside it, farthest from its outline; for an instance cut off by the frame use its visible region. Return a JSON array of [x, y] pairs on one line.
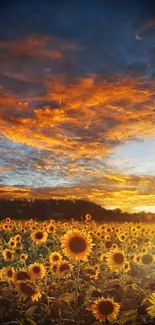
[[54, 260]]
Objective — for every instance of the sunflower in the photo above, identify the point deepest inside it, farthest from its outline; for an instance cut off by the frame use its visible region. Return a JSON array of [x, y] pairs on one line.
[[91, 272], [137, 259], [7, 273], [132, 257], [88, 217], [116, 260], [55, 257], [39, 236], [76, 245], [105, 309], [21, 275], [28, 290], [12, 242], [64, 269], [37, 271], [23, 257], [54, 268], [122, 237], [134, 246], [8, 220], [107, 237], [18, 238], [114, 246], [103, 257], [51, 228], [126, 267], [151, 309], [6, 227], [143, 249], [7, 254]]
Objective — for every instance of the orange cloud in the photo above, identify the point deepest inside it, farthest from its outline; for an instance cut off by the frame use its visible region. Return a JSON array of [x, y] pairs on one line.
[[105, 113], [137, 191], [33, 45], [80, 124]]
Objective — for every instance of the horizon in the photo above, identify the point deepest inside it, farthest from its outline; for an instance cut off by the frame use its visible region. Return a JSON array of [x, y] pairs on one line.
[[77, 96], [72, 201]]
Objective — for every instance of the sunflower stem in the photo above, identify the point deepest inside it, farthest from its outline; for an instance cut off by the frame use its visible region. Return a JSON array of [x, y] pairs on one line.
[[77, 282]]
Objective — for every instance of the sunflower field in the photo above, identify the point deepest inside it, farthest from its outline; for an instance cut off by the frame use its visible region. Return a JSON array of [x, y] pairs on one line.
[[77, 272]]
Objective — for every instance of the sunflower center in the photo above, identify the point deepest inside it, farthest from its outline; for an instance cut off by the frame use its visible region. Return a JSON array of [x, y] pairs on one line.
[[55, 258], [108, 244], [10, 273], [147, 259], [39, 235], [36, 269], [22, 275], [9, 254], [64, 267], [26, 289], [106, 307], [18, 251], [77, 245], [118, 258]]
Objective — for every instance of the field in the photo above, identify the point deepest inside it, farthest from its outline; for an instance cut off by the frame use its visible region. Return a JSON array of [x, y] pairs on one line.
[[77, 272]]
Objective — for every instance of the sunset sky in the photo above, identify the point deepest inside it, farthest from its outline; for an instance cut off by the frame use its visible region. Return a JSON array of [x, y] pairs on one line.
[[77, 101]]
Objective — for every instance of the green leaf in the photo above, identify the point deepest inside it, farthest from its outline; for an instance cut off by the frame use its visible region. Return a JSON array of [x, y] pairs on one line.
[[128, 316], [21, 321], [31, 310], [67, 297], [31, 321]]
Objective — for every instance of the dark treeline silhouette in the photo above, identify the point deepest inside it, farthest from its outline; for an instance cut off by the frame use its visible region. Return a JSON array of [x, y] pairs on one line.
[[65, 209]]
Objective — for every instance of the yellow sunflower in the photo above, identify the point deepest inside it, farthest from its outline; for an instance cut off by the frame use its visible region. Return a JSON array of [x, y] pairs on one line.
[[137, 259], [28, 290], [54, 268], [151, 309], [18, 238], [143, 250], [7, 273], [76, 245], [126, 267], [6, 227], [55, 257], [51, 228], [39, 236], [8, 220], [88, 217], [116, 260], [37, 271], [91, 272], [64, 269], [7, 254], [23, 257], [12, 243], [122, 237], [105, 309], [114, 246]]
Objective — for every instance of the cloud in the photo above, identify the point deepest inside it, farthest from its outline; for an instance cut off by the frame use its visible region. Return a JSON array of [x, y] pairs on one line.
[[75, 85], [129, 193]]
